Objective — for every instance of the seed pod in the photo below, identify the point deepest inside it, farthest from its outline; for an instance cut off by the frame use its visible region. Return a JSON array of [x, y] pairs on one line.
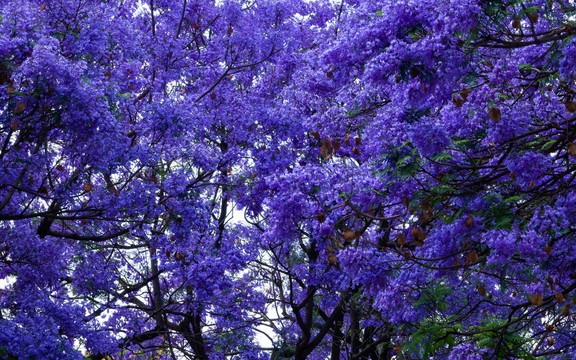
[[482, 291], [336, 145], [42, 7], [178, 256], [20, 107], [570, 107], [533, 18], [536, 299], [418, 236], [229, 31], [550, 340], [559, 297], [330, 74], [471, 258], [88, 187], [321, 217], [347, 139], [548, 250], [329, 248], [516, 24], [495, 114], [401, 240], [469, 221], [358, 141], [348, 235], [59, 167], [14, 125], [464, 93], [332, 259], [458, 102], [108, 74], [316, 135], [10, 90], [213, 96], [355, 151], [84, 222]]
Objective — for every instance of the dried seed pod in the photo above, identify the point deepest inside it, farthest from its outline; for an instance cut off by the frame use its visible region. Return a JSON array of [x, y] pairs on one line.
[[516, 24], [14, 125], [536, 299], [20, 107], [321, 217], [482, 291], [332, 259], [401, 240], [471, 258], [348, 235], [570, 107], [336, 145], [88, 187], [469, 221], [495, 114], [559, 297]]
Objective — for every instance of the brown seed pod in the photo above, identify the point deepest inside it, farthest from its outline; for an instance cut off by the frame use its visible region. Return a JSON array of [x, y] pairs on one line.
[[88, 187], [336, 145], [495, 114], [355, 151], [471, 258], [14, 125], [482, 291], [458, 102], [536, 299], [533, 18], [321, 217], [401, 240], [348, 235], [357, 141], [347, 139], [229, 31], [59, 167], [570, 107], [332, 259], [516, 24], [469, 221], [330, 74], [10, 90], [550, 340], [559, 297], [213, 96], [42, 7], [20, 107]]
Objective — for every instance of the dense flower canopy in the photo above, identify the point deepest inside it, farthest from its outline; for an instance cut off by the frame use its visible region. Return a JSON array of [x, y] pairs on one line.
[[285, 179]]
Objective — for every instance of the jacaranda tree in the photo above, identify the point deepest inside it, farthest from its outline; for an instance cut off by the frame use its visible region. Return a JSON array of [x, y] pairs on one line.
[[263, 179]]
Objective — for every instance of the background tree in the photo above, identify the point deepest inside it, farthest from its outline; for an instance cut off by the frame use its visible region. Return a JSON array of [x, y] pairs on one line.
[[405, 171]]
